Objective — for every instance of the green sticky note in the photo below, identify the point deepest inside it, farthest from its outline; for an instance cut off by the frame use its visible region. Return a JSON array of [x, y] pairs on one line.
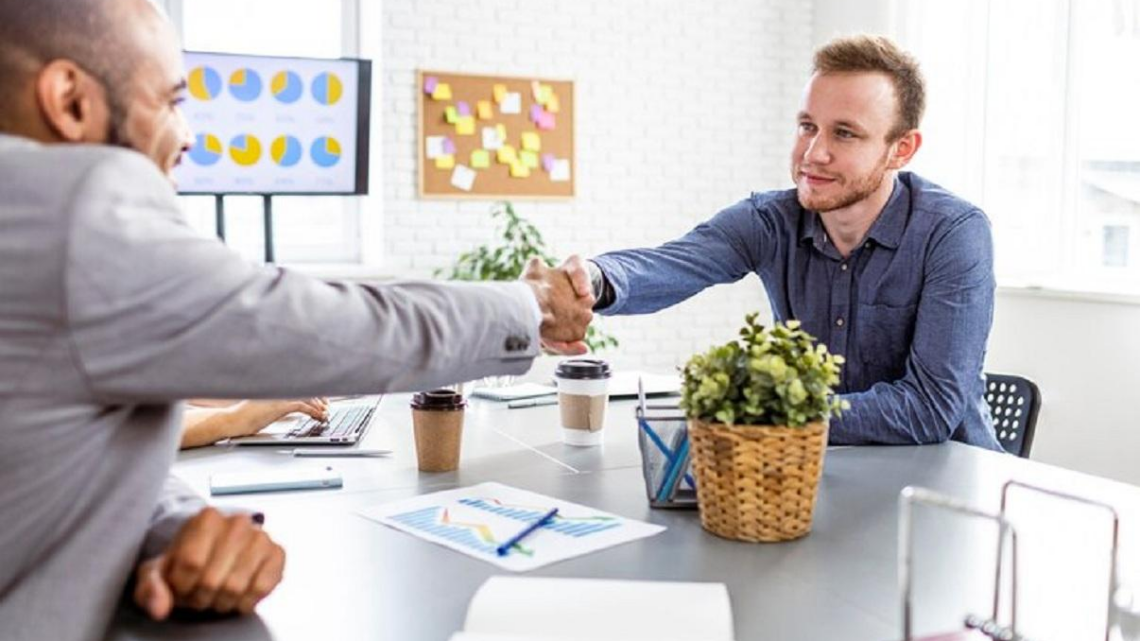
[[529, 159], [451, 114], [480, 159]]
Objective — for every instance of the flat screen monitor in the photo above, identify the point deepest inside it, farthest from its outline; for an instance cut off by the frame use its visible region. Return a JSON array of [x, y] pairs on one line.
[[276, 125]]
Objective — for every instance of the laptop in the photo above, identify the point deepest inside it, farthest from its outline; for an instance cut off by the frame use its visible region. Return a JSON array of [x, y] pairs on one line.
[[349, 419]]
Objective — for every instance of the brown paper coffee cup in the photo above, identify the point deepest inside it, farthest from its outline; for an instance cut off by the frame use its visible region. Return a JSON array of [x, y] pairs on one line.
[[439, 435]]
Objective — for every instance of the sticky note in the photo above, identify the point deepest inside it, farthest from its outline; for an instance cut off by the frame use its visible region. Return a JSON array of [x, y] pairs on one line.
[[429, 84], [484, 110], [531, 141], [463, 178], [451, 115], [448, 145], [561, 171], [500, 92], [435, 146], [547, 162], [529, 158], [491, 138], [519, 170], [512, 103], [543, 94], [480, 159], [553, 105], [536, 112], [502, 129], [506, 154], [442, 91], [465, 126], [445, 162], [546, 121], [463, 108]]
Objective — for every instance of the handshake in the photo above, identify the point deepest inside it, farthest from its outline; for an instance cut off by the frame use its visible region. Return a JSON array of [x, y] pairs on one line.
[[566, 298]]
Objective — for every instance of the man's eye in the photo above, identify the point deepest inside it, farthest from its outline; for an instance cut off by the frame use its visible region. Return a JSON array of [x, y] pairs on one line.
[[844, 133], [807, 127], [177, 102]]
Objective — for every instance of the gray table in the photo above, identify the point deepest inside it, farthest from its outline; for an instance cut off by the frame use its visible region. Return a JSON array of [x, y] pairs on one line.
[[350, 578]]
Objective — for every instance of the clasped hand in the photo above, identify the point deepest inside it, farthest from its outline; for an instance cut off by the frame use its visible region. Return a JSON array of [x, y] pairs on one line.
[[566, 300]]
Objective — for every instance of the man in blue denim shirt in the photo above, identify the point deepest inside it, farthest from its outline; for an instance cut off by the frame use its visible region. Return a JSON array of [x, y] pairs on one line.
[[888, 269]]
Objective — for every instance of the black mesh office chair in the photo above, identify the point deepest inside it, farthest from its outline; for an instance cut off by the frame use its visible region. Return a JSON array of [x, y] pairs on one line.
[[1014, 402]]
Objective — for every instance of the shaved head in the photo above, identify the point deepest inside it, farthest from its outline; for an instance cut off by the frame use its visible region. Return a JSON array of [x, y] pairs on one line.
[[93, 71]]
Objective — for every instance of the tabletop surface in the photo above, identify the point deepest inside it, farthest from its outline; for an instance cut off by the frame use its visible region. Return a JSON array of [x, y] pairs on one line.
[[351, 578]]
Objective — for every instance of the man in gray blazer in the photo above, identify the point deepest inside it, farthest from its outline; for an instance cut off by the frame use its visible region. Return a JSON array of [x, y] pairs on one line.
[[112, 309]]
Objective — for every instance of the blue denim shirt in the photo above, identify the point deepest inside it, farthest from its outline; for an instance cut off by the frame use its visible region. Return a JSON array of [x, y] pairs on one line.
[[910, 308]]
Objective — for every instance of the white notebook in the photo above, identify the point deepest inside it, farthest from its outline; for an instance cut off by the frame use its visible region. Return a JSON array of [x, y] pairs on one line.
[[547, 609]]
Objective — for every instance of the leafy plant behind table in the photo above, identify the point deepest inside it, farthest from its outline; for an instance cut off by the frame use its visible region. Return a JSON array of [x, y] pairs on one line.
[[506, 261], [777, 376]]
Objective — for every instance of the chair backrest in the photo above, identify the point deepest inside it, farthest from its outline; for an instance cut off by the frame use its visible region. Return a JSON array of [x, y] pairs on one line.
[[1014, 402]]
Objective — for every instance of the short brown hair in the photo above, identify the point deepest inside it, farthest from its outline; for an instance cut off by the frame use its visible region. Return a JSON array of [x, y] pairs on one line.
[[882, 55]]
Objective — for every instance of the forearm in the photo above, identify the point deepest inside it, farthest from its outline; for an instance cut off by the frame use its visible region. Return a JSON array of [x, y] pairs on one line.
[[203, 426]]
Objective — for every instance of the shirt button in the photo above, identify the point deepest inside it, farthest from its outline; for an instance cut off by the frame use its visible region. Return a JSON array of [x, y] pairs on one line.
[[843, 267], [839, 322]]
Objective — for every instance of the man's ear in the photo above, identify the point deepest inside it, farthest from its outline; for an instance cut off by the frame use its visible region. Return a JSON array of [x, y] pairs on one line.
[[905, 148], [73, 103]]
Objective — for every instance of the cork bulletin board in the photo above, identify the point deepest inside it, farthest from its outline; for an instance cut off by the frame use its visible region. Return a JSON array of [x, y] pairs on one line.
[[494, 136]]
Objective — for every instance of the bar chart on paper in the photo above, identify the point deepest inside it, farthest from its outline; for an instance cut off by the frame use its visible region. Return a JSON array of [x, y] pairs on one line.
[[476, 520]]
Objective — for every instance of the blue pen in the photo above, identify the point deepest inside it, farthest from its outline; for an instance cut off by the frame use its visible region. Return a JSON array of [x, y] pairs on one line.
[[546, 518]]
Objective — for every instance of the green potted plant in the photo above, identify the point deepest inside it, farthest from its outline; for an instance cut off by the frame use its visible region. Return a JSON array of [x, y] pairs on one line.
[[520, 240], [758, 410]]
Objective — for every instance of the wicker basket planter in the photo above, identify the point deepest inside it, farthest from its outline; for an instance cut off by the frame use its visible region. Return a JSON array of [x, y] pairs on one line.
[[757, 482]]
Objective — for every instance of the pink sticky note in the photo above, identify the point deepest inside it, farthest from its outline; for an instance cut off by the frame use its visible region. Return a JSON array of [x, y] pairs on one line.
[[536, 112], [464, 108], [547, 162], [546, 121], [448, 146], [429, 84]]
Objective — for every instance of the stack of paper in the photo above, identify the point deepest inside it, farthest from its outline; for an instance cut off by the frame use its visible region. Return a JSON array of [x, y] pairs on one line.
[[546, 609]]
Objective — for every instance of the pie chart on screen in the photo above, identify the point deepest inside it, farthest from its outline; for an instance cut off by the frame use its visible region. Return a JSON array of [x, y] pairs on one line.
[[204, 83], [286, 87], [206, 151], [245, 150], [285, 150], [325, 151], [327, 88], [245, 85]]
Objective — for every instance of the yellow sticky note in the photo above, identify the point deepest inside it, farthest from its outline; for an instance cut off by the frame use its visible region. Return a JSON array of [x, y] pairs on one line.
[[553, 105], [484, 110], [451, 115], [442, 92], [445, 162], [465, 126], [531, 141], [529, 159], [506, 155], [502, 129], [500, 92], [480, 159], [519, 170], [544, 94]]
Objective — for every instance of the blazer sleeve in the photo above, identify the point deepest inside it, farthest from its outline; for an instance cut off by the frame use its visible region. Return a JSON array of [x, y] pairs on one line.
[[156, 311]]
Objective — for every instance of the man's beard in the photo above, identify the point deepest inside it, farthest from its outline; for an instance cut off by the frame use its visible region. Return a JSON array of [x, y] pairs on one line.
[[859, 190]]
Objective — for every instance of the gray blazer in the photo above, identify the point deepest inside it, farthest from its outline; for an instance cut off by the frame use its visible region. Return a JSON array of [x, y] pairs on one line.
[[112, 309]]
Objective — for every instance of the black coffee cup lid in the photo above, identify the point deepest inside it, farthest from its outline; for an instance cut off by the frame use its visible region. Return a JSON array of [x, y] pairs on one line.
[[439, 399], [583, 369]]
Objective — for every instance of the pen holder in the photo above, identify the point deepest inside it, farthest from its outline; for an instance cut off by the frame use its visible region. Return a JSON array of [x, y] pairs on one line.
[[663, 438]]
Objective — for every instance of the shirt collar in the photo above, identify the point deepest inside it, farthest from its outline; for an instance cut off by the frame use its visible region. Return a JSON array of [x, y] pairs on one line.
[[887, 230]]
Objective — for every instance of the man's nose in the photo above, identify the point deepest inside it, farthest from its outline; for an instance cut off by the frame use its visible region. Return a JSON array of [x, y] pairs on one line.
[[817, 152]]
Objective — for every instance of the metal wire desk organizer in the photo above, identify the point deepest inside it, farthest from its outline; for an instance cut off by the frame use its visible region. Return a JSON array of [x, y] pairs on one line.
[[663, 438]]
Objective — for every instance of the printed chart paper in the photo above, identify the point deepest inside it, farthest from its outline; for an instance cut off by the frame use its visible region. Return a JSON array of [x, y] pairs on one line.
[[476, 520]]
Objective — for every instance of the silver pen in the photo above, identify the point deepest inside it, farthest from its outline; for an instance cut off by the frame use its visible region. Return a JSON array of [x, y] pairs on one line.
[[321, 452], [515, 405]]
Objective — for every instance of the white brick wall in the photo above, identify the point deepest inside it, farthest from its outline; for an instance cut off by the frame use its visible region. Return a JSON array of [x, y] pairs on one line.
[[683, 108]]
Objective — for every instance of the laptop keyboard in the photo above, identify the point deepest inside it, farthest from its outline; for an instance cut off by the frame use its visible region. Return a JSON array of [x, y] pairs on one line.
[[342, 423]]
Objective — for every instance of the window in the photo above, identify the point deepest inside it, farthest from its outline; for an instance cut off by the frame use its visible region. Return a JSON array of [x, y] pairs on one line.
[[306, 229], [1029, 115]]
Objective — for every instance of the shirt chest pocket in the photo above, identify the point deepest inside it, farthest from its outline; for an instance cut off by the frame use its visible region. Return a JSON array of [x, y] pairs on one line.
[[883, 335]]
